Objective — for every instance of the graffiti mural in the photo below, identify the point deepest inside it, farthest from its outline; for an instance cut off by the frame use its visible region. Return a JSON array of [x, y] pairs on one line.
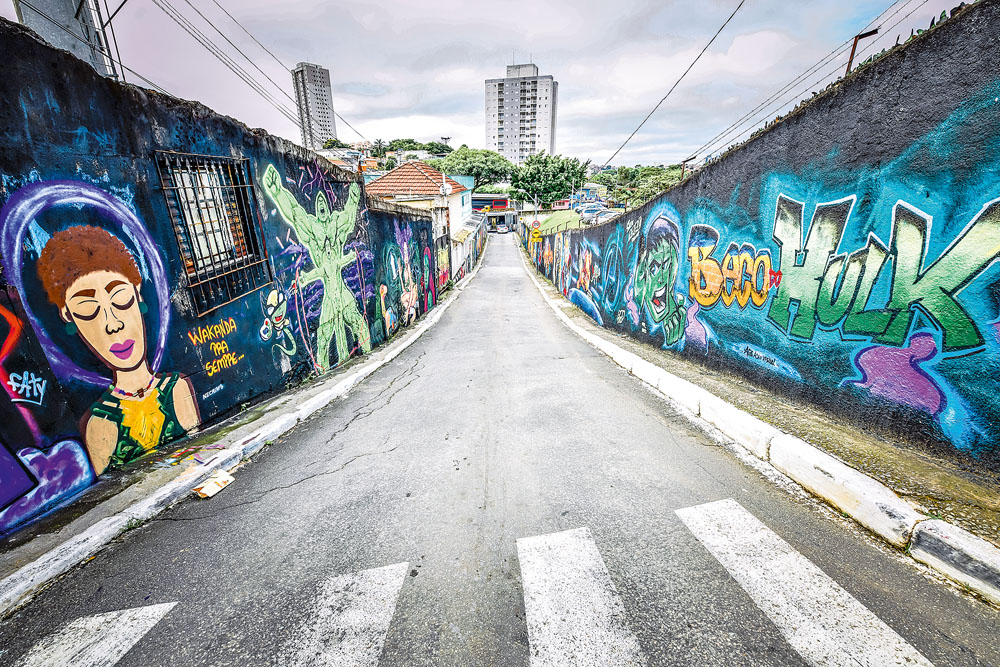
[[875, 288], [324, 233]]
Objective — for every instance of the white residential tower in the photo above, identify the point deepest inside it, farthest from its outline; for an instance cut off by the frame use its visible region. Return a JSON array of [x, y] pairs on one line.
[[315, 101], [521, 113]]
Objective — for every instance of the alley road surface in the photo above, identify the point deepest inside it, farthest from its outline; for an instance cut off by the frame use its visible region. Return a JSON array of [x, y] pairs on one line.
[[499, 494]]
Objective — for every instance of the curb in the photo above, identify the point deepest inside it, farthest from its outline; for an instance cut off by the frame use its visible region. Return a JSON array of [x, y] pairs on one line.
[[950, 550], [18, 588]]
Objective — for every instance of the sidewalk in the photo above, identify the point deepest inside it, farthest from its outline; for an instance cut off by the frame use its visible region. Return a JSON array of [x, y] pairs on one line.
[[36, 555], [937, 492]]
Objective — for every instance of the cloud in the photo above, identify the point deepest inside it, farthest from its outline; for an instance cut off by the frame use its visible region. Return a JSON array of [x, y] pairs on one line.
[[414, 68]]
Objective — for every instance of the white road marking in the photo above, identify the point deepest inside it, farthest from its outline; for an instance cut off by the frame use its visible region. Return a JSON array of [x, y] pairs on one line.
[[574, 614], [822, 621], [351, 619], [96, 641]]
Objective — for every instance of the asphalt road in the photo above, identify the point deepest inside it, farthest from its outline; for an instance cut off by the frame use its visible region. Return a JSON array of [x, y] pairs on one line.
[[386, 528]]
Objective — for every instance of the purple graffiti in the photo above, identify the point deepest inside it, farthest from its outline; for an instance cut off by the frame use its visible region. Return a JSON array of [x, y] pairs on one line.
[[695, 333], [895, 374], [360, 274], [25, 205], [62, 471]]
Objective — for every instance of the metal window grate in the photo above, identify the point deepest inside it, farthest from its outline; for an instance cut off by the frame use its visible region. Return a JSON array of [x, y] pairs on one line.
[[217, 226]]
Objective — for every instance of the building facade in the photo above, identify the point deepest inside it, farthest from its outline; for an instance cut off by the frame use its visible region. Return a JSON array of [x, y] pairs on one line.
[[521, 113], [314, 97], [73, 25]]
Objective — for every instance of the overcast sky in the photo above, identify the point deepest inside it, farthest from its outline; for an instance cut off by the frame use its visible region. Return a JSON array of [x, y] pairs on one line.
[[408, 68]]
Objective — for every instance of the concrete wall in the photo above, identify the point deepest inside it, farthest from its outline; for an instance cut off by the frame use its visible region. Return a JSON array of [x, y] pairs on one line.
[[848, 255], [133, 359]]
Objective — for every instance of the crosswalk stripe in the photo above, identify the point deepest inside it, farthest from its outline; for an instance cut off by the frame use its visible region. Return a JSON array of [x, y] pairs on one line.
[[351, 618], [96, 641], [574, 614], [821, 621]]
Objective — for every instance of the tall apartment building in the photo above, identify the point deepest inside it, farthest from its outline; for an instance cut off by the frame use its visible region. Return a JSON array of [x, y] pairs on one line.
[[521, 113], [74, 25], [314, 98]]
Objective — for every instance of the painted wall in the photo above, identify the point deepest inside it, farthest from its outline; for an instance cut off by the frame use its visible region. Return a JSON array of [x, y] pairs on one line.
[[848, 255], [103, 356]]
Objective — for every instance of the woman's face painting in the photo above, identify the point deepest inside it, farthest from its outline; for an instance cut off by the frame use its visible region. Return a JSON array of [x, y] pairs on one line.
[[104, 305]]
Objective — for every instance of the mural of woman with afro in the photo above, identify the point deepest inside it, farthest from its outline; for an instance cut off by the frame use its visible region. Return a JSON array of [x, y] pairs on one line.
[[94, 281]]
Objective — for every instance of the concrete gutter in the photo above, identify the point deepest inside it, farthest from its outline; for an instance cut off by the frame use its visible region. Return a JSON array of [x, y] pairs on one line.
[[18, 588], [950, 550]]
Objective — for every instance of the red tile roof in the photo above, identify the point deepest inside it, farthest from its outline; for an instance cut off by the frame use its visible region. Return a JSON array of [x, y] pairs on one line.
[[412, 178]]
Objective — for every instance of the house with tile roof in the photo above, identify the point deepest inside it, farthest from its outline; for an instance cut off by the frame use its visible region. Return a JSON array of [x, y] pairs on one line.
[[419, 185]]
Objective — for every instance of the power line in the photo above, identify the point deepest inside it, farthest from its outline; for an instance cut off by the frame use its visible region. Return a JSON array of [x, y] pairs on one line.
[[268, 51], [81, 39], [823, 61], [727, 135], [663, 99], [216, 51], [276, 58]]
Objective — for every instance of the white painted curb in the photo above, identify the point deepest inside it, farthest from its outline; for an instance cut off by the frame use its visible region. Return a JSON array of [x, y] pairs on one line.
[[952, 551], [866, 500], [959, 554], [18, 588]]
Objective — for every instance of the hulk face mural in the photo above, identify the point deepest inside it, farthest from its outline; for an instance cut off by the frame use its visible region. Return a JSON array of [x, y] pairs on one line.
[[324, 234], [655, 277]]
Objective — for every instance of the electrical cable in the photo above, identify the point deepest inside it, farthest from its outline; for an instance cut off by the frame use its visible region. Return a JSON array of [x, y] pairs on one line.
[[268, 51], [216, 51], [823, 61], [681, 78], [727, 135]]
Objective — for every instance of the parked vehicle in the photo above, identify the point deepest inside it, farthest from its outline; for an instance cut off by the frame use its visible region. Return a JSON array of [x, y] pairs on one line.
[[502, 228]]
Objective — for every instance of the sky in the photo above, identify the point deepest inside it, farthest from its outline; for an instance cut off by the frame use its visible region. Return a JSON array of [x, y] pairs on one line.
[[415, 69]]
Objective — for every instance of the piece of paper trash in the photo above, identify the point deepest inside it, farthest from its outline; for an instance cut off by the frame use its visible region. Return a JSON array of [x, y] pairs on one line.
[[219, 480]]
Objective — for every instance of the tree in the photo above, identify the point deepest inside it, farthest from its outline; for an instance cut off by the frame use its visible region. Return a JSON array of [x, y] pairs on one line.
[[547, 178], [335, 143], [390, 163], [437, 148], [405, 145], [484, 166], [378, 148]]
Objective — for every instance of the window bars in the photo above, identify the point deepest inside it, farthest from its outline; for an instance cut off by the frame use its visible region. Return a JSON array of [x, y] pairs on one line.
[[217, 226]]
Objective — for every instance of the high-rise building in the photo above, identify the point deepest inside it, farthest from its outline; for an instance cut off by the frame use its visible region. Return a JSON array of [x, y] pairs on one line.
[[521, 113], [73, 25], [315, 101]]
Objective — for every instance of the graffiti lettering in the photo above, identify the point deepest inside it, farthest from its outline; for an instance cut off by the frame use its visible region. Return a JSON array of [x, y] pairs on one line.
[[827, 287], [215, 331], [744, 275], [29, 387]]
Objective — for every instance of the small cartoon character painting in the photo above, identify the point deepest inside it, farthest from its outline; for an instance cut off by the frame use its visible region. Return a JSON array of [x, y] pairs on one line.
[[275, 307], [94, 281]]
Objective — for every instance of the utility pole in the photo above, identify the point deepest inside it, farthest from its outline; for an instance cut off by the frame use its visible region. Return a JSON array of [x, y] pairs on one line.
[[854, 47]]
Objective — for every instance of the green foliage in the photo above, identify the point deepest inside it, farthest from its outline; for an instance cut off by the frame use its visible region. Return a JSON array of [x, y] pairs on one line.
[[437, 148], [335, 143], [493, 189], [484, 166], [379, 148], [637, 185], [547, 178], [405, 145], [387, 164]]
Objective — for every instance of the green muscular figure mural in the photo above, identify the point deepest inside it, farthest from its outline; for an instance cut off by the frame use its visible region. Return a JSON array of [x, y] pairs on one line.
[[324, 234]]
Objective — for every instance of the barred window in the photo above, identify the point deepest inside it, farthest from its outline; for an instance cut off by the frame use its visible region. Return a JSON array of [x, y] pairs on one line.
[[217, 226]]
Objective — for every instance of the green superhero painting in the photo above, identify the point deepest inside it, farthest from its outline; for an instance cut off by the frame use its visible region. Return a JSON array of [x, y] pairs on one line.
[[324, 234], [655, 277]]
